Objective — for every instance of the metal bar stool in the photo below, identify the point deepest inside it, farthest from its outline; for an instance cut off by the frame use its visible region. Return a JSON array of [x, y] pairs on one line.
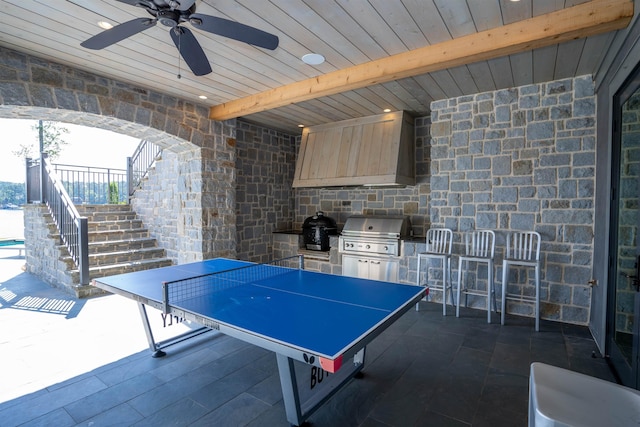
[[439, 242], [479, 247], [523, 250]]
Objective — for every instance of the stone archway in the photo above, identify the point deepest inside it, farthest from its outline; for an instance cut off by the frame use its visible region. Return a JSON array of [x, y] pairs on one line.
[[197, 180]]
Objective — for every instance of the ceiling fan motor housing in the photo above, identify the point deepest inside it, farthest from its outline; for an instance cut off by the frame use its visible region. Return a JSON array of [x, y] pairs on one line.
[[170, 18]]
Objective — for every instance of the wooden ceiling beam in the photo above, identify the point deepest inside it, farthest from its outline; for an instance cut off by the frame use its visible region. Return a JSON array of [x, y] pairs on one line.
[[586, 19]]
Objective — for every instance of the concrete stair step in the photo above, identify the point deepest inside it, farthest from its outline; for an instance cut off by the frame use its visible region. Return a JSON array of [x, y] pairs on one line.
[[110, 235], [122, 224], [121, 245], [89, 209], [118, 243], [121, 257]]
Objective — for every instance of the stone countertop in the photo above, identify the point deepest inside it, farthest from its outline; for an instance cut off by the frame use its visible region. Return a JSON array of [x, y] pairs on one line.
[[298, 232], [408, 239]]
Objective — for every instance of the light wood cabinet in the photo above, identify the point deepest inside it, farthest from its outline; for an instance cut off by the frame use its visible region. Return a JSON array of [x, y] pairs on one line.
[[374, 150]]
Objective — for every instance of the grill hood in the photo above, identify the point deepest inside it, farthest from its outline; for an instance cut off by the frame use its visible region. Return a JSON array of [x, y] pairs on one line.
[[369, 151], [377, 226]]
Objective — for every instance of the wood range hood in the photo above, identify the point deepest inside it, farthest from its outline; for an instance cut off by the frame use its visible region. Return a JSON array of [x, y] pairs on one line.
[[369, 151]]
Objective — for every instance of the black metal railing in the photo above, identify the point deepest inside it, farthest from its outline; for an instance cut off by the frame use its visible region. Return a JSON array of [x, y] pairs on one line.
[[92, 185], [73, 228], [139, 164], [60, 187]]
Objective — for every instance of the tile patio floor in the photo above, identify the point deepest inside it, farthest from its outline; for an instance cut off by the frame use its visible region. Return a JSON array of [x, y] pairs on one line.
[[68, 362]]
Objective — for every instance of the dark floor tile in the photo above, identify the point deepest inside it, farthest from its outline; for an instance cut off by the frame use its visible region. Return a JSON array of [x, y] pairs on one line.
[[370, 422], [351, 405], [57, 418], [274, 416], [597, 367], [225, 389], [268, 390], [481, 340], [180, 366], [406, 399], [45, 403], [512, 359], [470, 363], [445, 342], [103, 400], [551, 352], [431, 418], [456, 398], [180, 387], [121, 415], [511, 397], [427, 369], [237, 412], [581, 347], [500, 418], [181, 413], [576, 331]]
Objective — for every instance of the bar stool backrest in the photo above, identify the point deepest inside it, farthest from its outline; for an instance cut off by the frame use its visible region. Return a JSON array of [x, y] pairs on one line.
[[480, 243], [523, 246], [439, 240]]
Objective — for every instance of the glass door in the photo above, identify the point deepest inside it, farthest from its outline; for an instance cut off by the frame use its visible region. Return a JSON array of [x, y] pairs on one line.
[[623, 311]]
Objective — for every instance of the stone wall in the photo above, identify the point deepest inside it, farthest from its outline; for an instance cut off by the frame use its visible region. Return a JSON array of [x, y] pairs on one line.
[[523, 159], [42, 255], [202, 204], [265, 166]]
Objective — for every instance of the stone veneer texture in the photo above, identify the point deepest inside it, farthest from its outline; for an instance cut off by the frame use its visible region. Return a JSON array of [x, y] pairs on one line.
[[265, 168], [523, 159]]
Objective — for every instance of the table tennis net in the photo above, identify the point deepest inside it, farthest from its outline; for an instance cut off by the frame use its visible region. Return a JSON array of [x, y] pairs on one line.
[[207, 284]]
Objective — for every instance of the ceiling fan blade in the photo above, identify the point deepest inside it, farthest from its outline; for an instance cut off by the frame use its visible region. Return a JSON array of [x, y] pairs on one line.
[[234, 30], [118, 33], [190, 50]]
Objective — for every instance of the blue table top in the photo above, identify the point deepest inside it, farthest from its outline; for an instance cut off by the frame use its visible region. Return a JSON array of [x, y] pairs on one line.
[[316, 312]]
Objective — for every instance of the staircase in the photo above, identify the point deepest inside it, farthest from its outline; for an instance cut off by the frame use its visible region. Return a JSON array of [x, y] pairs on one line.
[[118, 243]]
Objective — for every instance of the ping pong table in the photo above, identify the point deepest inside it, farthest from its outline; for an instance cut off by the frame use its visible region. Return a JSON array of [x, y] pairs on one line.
[[317, 324]]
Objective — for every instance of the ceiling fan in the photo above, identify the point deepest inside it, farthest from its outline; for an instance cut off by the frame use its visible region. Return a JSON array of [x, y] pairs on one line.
[[173, 13]]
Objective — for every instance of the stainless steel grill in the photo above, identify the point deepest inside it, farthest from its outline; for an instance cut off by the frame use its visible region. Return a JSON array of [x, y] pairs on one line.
[[374, 234]]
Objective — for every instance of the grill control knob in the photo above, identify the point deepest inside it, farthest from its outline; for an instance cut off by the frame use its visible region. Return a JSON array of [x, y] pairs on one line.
[[368, 246], [386, 248]]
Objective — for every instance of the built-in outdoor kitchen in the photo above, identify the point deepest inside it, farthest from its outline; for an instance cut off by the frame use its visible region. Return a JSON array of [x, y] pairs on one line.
[[479, 162], [366, 170]]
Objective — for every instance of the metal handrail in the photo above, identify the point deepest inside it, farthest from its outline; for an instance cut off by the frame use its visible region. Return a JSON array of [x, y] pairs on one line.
[[73, 228], [140, 162], [93, 185]]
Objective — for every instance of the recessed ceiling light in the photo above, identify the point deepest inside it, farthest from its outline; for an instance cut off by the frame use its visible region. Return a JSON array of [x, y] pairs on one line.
[[202, 96], [387, 110], [300, 126], [105, 25], [313, 58]]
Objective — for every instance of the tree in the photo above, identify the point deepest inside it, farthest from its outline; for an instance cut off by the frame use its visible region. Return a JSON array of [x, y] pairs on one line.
[[52, 141]]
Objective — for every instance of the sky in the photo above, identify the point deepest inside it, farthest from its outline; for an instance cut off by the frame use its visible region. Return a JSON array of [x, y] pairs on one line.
[[85, 147]]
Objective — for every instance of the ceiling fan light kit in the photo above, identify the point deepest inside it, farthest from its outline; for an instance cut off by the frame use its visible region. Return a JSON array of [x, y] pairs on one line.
[[174, 13]]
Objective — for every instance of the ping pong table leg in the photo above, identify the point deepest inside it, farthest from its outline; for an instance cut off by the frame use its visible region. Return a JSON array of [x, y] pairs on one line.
[[300, 404], [156, 352]]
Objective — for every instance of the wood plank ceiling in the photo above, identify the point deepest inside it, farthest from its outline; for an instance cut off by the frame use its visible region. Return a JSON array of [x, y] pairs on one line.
[[348, 33]]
